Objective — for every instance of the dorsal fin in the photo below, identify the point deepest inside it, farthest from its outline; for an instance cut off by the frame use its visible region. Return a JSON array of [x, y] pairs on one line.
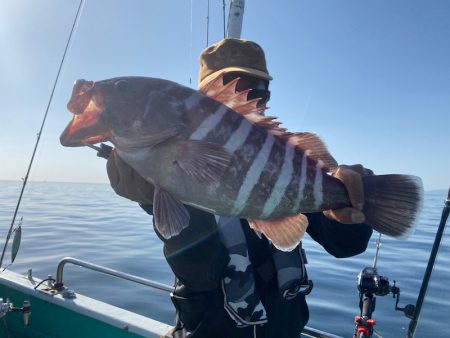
[[269, 123], [227, 95], [316, 148], [305, 141]]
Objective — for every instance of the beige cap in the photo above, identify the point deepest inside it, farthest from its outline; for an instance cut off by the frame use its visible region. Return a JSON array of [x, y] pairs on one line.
[[232, 55]]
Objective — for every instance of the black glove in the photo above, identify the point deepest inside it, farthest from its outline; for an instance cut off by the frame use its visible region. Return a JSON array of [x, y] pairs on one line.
[[126, 182]]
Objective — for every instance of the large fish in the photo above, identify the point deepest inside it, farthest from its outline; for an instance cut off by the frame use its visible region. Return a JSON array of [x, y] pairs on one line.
[[226, 159]]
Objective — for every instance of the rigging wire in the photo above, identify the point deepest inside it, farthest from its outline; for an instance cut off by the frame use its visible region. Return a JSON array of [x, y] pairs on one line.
[[190, 43], [207, 26], [25, 180]]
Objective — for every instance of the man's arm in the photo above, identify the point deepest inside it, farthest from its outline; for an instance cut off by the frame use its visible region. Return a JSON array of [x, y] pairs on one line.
[[338, 239], [196, 255]]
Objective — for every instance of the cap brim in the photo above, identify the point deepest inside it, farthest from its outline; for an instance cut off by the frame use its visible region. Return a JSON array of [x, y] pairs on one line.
[[251, 71]]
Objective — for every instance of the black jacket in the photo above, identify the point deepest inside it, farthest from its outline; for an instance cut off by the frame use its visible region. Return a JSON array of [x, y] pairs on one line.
[[198, 260]]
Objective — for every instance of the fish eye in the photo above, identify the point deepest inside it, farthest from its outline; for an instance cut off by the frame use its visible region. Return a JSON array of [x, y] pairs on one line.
[[122, 85]]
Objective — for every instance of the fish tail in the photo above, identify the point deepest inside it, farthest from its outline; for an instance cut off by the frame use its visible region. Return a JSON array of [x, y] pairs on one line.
[[393, 203]]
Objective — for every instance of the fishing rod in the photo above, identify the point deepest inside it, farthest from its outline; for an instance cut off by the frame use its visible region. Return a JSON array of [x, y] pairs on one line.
[[25, 179], [434, 251]]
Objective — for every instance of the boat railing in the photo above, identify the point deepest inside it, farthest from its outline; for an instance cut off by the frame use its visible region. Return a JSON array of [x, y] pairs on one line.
[[60, 271], [59, 285]]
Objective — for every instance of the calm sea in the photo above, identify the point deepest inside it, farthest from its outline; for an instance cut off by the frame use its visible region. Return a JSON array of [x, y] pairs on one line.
[[89, 222]]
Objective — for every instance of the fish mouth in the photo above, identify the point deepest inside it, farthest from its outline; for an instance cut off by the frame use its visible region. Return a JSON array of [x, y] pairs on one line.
[[86, 126]]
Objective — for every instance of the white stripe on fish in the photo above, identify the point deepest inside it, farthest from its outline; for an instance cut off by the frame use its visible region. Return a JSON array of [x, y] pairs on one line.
[[209, 123], [318, 188], [192, 100], [239, 136], [282, 183], [253, 174], [302, 181]]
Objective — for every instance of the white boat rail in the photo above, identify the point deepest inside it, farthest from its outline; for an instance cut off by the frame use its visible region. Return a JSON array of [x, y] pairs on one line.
[[60, 271]]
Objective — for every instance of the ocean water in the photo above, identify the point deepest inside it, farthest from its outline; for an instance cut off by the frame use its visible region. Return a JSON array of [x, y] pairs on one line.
[[89, 222]]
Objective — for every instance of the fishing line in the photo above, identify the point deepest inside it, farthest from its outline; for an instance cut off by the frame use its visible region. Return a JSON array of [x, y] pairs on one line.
[[378, 245], [25, 180]]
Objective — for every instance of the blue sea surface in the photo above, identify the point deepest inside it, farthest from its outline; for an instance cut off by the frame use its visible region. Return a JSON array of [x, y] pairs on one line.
[[89, 222]]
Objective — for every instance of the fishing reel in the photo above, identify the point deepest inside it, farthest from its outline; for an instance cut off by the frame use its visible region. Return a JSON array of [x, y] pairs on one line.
[[369, 281]]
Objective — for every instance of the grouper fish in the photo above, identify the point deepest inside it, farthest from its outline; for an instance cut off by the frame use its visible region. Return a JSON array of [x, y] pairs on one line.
[[213, 150]]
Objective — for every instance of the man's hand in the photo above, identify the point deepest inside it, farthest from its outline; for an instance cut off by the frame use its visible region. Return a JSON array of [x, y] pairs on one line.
[[126, 182], [350, 175]]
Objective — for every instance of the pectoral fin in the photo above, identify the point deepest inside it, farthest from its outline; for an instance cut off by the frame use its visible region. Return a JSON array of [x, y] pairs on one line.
[[285, 233], [202, 161], [170, 215]]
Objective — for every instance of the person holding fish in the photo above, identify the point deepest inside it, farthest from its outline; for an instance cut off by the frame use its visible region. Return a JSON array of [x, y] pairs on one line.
[[232, 282], [232, 193]]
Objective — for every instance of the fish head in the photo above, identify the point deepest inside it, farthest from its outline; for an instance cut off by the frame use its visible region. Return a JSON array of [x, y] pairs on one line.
[[88, 125], [123, 110]]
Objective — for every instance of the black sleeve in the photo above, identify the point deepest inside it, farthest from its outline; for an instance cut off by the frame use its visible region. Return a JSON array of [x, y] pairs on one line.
[[196, 256], [340, 240]]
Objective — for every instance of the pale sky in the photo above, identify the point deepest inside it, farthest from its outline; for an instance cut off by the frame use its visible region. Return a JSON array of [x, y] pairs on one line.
[[372, 78]]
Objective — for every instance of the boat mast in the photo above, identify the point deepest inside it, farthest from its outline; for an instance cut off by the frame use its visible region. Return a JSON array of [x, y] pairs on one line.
[[235, 18]]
